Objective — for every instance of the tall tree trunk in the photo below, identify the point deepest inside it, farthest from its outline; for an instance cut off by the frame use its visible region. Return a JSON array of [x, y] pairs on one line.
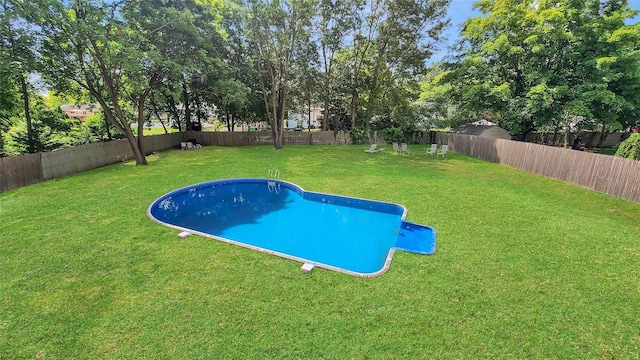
[[603, 136], [133, 141], [325, 113], [309, 120], [117, 118], [354, 103], [187, 109], [107, 126], [327, 92], [157, 114], [31, 148], [141, 99]]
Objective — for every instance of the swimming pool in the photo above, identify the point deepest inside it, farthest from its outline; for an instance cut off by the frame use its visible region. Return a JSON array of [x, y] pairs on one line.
[[350, 235]]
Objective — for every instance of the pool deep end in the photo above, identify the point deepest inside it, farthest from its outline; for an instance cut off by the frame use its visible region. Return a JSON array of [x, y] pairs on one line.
[[350, 235]]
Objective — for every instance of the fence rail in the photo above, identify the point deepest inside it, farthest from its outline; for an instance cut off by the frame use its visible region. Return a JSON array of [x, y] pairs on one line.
[[607, 174], [603, 173]]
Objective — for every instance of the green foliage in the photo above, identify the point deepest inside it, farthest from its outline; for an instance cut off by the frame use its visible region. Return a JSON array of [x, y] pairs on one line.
[[279, 32], [389, 43], [435, 106], [358, 135], [407, 134], [392, 134], [97, 128], [51, 129], [630, 148], [534, 64], [177, 59]]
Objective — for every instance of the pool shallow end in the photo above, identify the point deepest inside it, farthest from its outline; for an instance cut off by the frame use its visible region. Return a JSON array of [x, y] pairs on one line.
[[416, 238]]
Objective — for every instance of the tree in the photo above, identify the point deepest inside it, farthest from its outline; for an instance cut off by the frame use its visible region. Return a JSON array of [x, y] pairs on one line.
[[17, 60], [435, 106], [389, 43], [275, 31], [50, 129], [534, 64], [630, 147], [118, 52], [305, 79], [87, 45], [333, 22]]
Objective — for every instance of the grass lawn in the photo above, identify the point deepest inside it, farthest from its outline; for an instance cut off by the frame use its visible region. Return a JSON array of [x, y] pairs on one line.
[[525, 266]]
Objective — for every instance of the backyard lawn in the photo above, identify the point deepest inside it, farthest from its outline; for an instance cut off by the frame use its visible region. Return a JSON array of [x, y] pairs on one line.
[[525, 266]]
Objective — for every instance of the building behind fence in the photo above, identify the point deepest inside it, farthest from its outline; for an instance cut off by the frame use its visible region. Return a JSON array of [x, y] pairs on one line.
[[607, 174]]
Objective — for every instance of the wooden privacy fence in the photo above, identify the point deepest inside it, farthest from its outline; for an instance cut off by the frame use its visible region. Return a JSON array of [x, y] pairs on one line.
[[607, 174], [603, 173], [19, 171]]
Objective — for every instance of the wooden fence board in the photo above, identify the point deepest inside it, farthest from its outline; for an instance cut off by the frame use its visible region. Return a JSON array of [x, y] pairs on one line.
[[18, 171]]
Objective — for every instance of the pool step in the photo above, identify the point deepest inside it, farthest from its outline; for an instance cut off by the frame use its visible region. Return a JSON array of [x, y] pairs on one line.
[[416, 238]]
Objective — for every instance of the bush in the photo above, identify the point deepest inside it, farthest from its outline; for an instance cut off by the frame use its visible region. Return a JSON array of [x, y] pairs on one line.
[[630, 148], [393, 134], [358, 135]]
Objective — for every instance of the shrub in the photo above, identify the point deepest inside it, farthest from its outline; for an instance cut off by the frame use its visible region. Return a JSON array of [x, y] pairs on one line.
[[630, 148], [392, 134], [358, 135]]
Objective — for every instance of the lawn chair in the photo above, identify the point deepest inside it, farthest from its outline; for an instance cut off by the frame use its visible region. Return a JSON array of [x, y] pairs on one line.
[[443, 151], [374, 148], [432, 150], [396, 149], [404, 149]]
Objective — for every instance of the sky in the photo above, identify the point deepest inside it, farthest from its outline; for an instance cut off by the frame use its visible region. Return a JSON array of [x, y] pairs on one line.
[[460, 10]]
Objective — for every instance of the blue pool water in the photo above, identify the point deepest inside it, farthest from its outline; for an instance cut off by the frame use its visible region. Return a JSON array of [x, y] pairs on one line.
[[351, 235]]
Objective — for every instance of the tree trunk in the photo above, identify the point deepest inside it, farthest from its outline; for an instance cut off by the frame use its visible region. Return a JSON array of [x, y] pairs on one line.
[[27, 114], [325, 114], [309, 121], [137, 152], [107, 126], [354, 102], [187, 109], [603, 136], [121, 123], [133, 141], [157, 114], [327, 91], [141, 99]]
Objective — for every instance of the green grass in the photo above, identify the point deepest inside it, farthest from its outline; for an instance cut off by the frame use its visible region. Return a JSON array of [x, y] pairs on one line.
[[155, 131], [605, 151], [525, 267]]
